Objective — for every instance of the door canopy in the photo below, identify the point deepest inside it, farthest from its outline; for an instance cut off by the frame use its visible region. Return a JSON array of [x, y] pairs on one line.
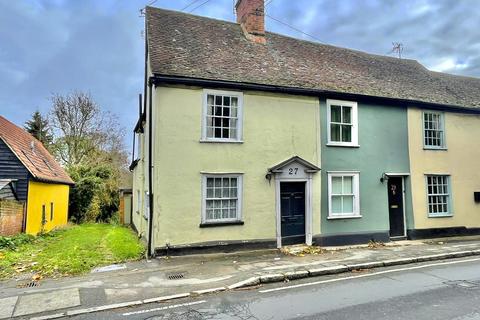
[[295, 167]]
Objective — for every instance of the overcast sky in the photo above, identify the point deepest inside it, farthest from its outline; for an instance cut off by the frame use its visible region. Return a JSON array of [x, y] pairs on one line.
[[55, 46]]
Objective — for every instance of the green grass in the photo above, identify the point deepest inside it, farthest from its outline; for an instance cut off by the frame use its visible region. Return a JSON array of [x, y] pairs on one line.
[[71, 251]]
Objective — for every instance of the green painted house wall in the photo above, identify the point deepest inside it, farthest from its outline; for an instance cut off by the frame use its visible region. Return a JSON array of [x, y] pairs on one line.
[[383, 140]]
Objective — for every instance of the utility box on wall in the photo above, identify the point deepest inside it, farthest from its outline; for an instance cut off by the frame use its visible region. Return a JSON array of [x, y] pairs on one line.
[[476, 196]]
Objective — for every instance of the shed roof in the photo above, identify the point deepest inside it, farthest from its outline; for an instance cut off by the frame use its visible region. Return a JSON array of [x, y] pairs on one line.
[[33, 155]]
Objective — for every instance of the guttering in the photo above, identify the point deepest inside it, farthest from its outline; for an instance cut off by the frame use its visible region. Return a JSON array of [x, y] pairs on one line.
[[165, 79], [150, 178]]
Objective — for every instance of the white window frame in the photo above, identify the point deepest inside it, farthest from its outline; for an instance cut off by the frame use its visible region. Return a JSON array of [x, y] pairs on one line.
[[239, 197], [354, 115], [442, 123], [239, 96], [449, 212], [356, 194]]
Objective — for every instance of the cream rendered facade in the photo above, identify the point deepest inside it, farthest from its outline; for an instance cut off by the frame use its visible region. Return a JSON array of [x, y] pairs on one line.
[[459, 160], [275, 128]]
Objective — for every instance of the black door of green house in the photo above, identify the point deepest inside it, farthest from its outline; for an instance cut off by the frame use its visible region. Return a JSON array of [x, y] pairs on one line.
[[292, 209], [395, 207]]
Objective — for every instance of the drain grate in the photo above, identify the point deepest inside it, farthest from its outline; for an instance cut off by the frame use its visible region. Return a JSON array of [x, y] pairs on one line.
[[176, 276], [28, 284]]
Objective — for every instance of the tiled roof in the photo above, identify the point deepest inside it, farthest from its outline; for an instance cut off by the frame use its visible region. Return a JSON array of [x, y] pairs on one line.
[[33, 155], [184, 45]]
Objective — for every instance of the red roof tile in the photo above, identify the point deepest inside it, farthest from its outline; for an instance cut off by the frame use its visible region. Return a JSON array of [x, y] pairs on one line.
[[31, 152], [189, 46]]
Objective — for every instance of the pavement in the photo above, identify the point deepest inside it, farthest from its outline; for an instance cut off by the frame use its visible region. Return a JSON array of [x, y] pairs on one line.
[[439, 290], [165, 279]]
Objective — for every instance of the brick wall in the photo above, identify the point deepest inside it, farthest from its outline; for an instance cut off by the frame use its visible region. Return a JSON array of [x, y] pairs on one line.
[[11, 217]]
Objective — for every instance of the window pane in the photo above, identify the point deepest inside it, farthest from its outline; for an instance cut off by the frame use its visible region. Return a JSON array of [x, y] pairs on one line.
[[335, 132], [337, 185], [336, 113], [347, 204], [210, 99], [209, 132], [210, 214], [209, 182], [234, 101], [347, 185], [346, 133], [218, 100], [347, 114], [209, 193], [336, 204], [226, 101]]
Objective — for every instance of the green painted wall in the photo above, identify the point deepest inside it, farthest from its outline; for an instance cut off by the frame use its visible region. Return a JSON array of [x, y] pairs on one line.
[[383, 140]]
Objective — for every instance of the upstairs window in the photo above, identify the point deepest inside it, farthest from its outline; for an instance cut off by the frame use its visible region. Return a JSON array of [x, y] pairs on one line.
[[222, 116], [433, 130], [342, 123]]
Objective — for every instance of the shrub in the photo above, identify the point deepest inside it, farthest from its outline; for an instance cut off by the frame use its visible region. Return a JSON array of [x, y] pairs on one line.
[[14, 242]]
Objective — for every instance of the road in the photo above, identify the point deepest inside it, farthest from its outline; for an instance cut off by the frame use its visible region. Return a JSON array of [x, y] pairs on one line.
[[438, 290]]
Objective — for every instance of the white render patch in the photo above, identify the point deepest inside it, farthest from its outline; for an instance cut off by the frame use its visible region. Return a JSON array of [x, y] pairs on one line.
[[7, 307], [113, 267], [48, 301]]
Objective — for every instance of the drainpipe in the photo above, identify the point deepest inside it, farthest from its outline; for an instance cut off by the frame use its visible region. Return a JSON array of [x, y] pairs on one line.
[[150, 167]]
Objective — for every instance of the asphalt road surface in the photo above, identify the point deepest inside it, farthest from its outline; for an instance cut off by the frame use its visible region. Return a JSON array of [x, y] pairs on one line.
[[430, 291]]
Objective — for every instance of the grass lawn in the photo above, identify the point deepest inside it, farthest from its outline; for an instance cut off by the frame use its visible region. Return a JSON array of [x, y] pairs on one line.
[[71, 251]]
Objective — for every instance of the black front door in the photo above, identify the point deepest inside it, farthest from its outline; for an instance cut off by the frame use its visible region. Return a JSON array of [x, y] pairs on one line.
[[292, 209], [395, 206]]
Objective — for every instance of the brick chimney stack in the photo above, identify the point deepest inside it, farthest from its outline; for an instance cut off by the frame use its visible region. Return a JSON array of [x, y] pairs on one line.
[[251, 16]]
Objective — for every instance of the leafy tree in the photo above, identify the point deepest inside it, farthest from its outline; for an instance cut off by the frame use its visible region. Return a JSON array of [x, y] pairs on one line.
[[95, 194], [39, 127], [89, 143]]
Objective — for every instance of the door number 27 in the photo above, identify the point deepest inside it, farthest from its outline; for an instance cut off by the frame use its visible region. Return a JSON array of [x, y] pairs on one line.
[[292, 171]]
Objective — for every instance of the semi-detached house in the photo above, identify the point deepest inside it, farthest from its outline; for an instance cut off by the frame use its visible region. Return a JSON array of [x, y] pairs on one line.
[[250, 138]]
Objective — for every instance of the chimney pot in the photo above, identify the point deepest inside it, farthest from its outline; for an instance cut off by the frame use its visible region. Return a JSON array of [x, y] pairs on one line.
[[251, 17]]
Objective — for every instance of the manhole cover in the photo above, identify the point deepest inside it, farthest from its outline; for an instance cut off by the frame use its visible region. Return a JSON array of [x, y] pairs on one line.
[[29, 284], [176, 276], [463, 284]]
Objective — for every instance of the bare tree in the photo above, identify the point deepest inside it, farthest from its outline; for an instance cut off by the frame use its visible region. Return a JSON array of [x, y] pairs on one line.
[[85, 133]]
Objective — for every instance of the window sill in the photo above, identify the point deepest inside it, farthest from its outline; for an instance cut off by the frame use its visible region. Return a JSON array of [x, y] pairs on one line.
[[357, 216], [220, 141], [333, 144], [435, 149], [449, 215], [221, 224]]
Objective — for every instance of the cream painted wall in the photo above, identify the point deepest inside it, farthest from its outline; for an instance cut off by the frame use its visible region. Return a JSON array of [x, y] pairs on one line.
[[461, 160], [275, 127]]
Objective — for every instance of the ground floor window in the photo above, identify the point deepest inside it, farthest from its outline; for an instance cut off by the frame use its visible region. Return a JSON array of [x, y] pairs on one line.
[[343, 194], [221, 198], [438, 195]]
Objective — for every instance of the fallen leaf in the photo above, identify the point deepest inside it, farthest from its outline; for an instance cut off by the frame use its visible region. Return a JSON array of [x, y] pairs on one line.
[[36, 277]]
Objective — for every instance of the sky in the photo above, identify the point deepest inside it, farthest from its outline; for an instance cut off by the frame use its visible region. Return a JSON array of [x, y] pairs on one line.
[[57, 46]]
